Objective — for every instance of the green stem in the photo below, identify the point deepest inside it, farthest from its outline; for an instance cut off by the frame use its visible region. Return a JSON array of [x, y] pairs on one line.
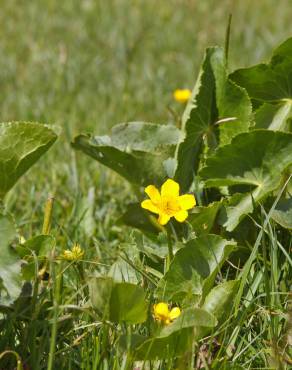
[[170, 248], [18, 359], [57, 278]]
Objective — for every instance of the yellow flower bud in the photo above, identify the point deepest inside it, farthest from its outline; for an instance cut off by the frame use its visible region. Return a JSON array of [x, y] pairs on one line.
[[182, 95]]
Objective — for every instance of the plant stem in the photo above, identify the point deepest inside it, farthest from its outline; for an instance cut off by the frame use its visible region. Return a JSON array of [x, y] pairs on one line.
[[57, 278], [170, 248], [18, 359]]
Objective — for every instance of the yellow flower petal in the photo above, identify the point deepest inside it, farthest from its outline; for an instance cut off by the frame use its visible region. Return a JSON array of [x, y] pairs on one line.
[[174, 313], [153, 193], [148, 204], [181, 216], [161, 311], [187, 201], [163, 219], [170, 189]]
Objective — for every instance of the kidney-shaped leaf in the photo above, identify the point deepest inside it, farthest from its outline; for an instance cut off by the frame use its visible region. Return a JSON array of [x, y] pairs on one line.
[[270, 84], [10, 263], [219, 301], [257, 158], [136, 150], [194, 267], [128, 304], [21, 145]]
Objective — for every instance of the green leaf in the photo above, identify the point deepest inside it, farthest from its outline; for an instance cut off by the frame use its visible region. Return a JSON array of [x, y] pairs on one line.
[[136, 150], [176, 338], [121, 271], [255, 159], [198, 120], [41, 245], [235, 112], [282, 213], [219, 301], [128, 304], [189, 318], [194, 268], [202, 218], [100, 289], [166, 347], [216, 102], [275, 117], [269, 82], [10, 263], [21, 145]]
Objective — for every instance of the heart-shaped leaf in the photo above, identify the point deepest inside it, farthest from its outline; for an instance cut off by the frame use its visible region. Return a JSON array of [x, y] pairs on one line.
[[10, 263], [219, 301], [256, 159], [128, 304], [136, 150], [194, 267], [118, 302], [21, 145]]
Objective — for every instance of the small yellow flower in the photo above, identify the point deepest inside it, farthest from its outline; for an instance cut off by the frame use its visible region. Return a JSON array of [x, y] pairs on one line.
[[75, 254], [168, 203], [182, 95], [162, 313]]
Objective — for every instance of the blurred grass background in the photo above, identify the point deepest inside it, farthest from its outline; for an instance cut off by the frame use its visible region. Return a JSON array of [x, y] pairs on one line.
[[87, 65]]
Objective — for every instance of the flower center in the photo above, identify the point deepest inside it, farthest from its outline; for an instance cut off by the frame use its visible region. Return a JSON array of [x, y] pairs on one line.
[[170, 206]]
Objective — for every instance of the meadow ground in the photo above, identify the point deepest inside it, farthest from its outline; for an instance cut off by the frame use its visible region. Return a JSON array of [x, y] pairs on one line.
[[85, 66]]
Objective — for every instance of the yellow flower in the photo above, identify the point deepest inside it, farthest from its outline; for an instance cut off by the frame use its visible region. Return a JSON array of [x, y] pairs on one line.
[[75, 254], [182, 95], [162, 313], [168, 203]]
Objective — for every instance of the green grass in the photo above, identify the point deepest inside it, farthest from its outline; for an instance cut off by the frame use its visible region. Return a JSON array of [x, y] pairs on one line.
[[85, 66]]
